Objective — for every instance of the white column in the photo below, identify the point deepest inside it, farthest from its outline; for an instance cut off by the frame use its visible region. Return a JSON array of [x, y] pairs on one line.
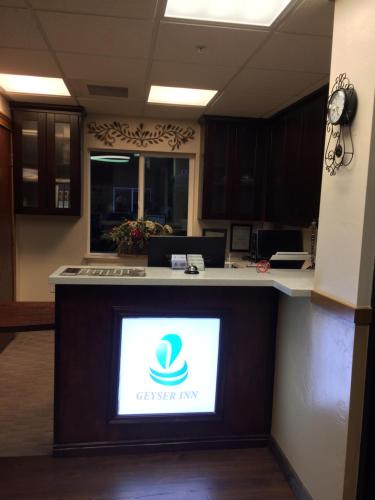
[[346, 238]]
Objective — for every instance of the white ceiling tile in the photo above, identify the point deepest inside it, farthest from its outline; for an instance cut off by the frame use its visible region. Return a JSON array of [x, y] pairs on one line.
[[264, 82], [223, 46], [114, 106], [314, 17], [173, 112], [28, 62], [106, 70], [139, 9], [294, 53], [190, 75], [18, 30], [109, 43], [314, 86], [97, 35]]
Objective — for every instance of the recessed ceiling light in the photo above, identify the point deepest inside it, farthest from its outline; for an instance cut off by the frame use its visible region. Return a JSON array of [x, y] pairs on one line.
[[39, 85], [181, 96], [254, 12]]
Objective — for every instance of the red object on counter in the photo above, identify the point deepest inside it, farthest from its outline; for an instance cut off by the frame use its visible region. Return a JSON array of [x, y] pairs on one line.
[[263, 266]]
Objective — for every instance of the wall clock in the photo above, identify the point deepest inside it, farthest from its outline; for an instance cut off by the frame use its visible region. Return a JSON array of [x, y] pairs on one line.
[[342, 106]]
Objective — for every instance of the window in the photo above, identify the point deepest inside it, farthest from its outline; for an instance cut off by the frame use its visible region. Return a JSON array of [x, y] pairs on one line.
[[131, 185]]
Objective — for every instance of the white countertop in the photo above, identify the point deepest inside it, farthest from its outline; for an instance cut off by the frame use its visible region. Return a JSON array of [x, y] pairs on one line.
[[292, 282]]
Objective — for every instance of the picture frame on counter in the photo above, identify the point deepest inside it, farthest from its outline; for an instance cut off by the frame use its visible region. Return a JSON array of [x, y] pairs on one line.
[[240, 237]]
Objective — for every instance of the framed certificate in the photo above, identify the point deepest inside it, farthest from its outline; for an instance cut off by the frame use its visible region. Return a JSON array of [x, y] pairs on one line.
[[240, 236]]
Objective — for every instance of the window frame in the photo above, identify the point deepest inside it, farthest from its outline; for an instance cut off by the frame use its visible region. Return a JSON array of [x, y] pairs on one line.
[[141, 185]]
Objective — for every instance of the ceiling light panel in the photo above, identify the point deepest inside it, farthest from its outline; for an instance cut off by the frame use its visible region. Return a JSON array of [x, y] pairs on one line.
[[252, 12], [38, 85], [180, 96]]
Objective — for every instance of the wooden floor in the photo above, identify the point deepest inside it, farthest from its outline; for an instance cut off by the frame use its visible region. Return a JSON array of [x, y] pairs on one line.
[[250, 474]]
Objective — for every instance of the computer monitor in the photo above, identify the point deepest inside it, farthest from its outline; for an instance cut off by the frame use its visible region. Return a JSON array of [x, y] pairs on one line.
[[269, 241], [161, 248]]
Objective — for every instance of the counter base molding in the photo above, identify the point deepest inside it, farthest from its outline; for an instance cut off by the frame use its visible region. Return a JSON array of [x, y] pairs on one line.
[[98, 395], [290, 474], [111, 448], [361, 316]]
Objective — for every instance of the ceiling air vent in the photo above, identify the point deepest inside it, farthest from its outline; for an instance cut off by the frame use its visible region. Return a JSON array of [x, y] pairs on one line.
[[108, 91]]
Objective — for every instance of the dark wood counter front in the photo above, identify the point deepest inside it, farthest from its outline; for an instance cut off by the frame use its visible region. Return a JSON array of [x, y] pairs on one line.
[[86, 370]]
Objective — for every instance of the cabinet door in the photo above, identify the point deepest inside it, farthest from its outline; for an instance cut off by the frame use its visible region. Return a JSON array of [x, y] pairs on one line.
[[63, 163], [276, 170], [312, 153], [216, 184], [46, 149], [29, 159], [244, 201], [293, 168], [296, 162]]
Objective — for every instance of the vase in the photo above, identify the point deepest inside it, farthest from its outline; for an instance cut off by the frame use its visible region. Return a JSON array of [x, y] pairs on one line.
[[125, 249]]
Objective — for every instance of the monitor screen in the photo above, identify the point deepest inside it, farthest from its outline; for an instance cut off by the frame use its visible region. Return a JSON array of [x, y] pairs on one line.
[[162, 247], [168, 365], [270, 241]]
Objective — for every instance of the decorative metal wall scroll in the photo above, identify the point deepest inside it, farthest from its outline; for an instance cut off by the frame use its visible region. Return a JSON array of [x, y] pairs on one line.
[[140, 136], [342, 106]]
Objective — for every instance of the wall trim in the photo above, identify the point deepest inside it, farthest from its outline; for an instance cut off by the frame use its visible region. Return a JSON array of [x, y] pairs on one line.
[[360, 316], [26, 316], [5, 122], [5, 340], [142, 136], [110, 447], [290, 474]]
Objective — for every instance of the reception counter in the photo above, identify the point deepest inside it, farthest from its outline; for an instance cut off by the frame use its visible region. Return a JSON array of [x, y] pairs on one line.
[[166, 360], [295, 283]]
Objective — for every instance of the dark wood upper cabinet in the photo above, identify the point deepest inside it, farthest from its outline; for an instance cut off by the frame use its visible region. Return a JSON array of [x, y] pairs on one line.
[[269, 169], [232, 168], [216, 183], [47, 160], [295, 166]]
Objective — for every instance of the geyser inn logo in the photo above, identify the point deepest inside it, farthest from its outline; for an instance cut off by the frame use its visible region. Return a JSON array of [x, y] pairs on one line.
[[167, 352]]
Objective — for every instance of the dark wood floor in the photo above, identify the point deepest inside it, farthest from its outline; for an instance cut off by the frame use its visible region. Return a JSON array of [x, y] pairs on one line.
[[249, 474]]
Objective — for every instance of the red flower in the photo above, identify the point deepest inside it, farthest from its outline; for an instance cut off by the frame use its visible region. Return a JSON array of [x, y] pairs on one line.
[[136, 234]]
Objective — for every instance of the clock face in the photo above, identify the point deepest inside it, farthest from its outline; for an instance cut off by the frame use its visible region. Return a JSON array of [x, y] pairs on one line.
[[336, 106]]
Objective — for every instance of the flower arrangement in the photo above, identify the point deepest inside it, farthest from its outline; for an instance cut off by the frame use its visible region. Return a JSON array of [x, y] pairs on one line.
[[132, 235]]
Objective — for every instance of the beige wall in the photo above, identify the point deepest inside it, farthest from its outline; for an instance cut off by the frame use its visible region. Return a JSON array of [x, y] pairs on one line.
[[316, 354], [346, 243], [43, 244]]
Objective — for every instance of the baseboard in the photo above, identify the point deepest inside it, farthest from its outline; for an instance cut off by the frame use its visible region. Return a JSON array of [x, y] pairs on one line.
[[290, 474], [5, 339], [111, 448]]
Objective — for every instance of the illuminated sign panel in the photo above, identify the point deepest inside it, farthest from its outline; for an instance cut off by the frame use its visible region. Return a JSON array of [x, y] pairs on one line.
[[168, 365]]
